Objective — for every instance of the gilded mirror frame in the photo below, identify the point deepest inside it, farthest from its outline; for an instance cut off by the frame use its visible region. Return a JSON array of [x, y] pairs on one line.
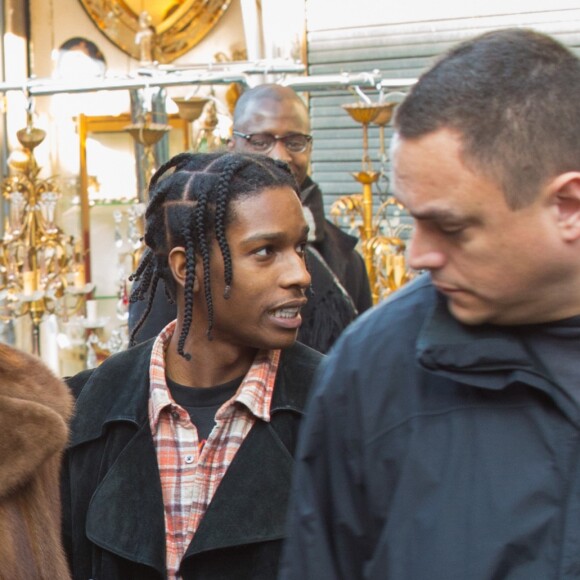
[[90, 126], [185, 24]]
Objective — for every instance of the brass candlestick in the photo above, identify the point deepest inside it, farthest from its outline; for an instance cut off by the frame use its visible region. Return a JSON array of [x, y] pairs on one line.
[[383, 254], [147, 134], [190, 110], [364, 113]]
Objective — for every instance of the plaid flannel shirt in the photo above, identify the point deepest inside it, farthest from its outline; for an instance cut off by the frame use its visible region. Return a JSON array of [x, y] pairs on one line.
[[190, 475]]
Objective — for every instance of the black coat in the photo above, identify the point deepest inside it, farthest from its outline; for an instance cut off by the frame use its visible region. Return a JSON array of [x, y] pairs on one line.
[[113, 518], [338, 249]]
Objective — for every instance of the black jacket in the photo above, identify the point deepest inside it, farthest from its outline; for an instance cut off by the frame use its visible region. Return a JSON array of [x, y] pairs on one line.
[[435, 451], [113, 517], [338, 249]]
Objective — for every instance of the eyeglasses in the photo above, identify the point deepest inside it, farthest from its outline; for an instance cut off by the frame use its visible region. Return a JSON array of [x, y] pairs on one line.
[[264, 142]]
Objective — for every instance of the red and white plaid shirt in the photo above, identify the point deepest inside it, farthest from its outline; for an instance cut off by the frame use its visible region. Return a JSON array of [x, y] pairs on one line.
[[190, 475]]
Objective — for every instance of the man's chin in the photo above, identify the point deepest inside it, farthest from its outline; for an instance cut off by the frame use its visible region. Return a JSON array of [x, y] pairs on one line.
[[468, 315]]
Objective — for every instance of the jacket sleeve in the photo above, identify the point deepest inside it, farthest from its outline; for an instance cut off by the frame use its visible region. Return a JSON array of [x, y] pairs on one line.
[[327, 519], [75, 384]]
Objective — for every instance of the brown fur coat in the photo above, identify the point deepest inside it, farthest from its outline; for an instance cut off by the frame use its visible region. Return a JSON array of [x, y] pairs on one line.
[[34, 410]]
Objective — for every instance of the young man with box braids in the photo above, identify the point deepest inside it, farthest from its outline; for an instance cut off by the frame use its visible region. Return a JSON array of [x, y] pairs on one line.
[[181, 451]]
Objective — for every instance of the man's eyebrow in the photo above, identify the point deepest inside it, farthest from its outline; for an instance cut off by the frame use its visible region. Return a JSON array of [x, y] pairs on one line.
[[273, 236], [438, 214]]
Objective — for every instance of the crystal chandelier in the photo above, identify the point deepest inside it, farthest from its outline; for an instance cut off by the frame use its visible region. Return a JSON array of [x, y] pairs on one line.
[[41, 268]]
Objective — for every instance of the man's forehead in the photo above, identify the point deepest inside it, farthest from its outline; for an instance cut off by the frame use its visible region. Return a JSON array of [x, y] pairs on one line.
[[265, 111]]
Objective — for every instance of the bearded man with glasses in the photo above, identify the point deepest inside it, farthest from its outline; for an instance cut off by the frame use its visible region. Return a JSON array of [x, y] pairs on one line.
[[273, 120]]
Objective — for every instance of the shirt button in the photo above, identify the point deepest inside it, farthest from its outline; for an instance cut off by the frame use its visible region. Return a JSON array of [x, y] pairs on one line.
[[189, 459]]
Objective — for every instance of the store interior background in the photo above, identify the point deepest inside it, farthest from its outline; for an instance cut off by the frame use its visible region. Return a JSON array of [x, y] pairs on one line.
[[394, 40]]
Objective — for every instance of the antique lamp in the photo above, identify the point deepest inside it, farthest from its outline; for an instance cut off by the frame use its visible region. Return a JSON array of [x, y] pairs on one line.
[[382, 247], [41, 268], [147, 134], [190, 110]]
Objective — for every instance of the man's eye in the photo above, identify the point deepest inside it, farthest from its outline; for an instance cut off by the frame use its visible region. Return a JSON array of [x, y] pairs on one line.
[[295, 144], [301, 248], [259, 143], [452, 230], [264, 252]]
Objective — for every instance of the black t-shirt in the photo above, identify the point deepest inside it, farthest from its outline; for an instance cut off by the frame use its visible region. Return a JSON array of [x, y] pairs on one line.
[[202, 403]]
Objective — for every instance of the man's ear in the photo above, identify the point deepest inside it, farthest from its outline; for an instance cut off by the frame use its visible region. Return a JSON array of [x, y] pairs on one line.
[[231, 144], [177, 263], [565, 193]]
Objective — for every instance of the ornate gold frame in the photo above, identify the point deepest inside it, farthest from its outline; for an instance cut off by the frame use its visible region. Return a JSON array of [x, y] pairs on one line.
[[185, 24], [87, 125]]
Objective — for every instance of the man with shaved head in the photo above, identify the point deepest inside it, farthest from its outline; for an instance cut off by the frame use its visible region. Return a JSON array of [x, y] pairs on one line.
[[276, 111]]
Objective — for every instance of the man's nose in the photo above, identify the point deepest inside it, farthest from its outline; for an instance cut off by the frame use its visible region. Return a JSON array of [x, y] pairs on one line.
[[295, 272], [280, 152], [423, 252]]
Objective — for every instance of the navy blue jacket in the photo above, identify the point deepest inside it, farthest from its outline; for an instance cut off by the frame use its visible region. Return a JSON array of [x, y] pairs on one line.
[[113, 518], [435, 451]]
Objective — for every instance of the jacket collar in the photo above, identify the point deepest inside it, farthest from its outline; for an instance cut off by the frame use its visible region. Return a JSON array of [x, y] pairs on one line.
[[126, 512], [486, 356], [118, 390], [313, 205], [447, 345], [297, 365]]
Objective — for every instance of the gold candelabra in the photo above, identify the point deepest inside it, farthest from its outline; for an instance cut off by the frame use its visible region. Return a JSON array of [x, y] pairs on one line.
[[382, 247], [147, 134], [41, 268], [190, 110], [201, 111]]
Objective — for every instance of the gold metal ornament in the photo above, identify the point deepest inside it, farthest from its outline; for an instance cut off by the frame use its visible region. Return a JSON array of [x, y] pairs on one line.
[[147, 133], [382, 246], [156, 30], [41, 267]]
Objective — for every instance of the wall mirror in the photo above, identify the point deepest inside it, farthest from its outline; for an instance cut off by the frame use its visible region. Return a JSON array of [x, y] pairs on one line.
[[159, 30]]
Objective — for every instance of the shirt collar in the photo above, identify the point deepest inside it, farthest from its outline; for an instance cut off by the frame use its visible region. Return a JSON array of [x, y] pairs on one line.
[[159, 396], [255, 391]]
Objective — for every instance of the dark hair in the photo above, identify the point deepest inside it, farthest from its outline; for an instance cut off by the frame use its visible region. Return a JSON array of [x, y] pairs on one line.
[[512, 96], [189, 204], [84, 45]]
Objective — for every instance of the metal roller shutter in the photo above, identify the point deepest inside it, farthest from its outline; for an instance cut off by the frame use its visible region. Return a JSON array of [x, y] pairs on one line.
[[397, 51]]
